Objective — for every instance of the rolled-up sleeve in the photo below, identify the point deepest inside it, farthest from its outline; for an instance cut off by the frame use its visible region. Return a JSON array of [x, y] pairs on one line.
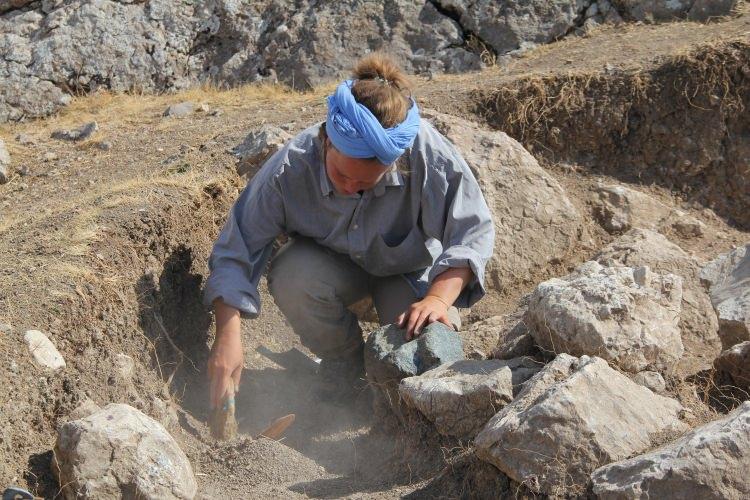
[[455, 212], [242, 250]]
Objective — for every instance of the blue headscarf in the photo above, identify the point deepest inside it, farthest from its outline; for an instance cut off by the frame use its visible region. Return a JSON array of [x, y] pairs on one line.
[[356, 132]]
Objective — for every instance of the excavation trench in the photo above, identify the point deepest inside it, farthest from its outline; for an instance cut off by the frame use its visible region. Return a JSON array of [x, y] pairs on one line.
[[681, 124], [154, 315]]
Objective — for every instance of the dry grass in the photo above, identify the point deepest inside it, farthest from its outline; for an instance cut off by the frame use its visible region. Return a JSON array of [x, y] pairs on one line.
[[136, 109]]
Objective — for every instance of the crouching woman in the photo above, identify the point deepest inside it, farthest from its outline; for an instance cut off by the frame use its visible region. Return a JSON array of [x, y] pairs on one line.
[[376, 202]]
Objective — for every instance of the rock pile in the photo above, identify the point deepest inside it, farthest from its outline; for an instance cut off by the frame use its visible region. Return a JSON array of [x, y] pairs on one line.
[[389, 358], [571, 418], [698, 323]]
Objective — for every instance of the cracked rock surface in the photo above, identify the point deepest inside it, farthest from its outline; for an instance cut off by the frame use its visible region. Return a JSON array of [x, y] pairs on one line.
[[52, 49]]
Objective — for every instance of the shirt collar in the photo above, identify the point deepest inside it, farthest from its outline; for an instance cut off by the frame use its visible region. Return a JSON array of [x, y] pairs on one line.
[[325, 183], [392, 178]]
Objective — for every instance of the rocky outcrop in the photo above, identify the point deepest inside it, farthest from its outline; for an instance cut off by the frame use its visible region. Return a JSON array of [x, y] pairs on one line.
[[54, 50], [710, 462], [625, 315], [728, 279], [118, 452], [509, 26], [535, 222], [670, 10], [698, 322], [460, 397], [570, 418], [51, 50]]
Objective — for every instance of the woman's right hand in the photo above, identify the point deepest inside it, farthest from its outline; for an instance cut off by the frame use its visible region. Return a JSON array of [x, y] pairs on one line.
[[227, 356]]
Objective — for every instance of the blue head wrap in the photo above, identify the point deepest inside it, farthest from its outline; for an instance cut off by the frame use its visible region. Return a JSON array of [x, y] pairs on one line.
[[356, 132]]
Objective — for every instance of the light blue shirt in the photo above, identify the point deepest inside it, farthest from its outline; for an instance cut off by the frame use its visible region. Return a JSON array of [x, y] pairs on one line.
[[417, 224]]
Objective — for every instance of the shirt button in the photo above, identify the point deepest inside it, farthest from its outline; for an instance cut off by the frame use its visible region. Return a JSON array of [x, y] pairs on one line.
[[356, 226]]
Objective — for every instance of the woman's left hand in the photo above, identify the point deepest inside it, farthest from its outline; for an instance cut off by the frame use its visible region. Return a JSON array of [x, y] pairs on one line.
[[422, 313]]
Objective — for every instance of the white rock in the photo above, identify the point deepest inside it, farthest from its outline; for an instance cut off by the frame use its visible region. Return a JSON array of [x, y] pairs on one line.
[[698, 324], [118, 452], [43, 350], [728, 278], [570, 418], [460, 397], [652, 380], [4, 162], [605, 312], [710, 462], [179, 110], [124, 366], [258, 146]]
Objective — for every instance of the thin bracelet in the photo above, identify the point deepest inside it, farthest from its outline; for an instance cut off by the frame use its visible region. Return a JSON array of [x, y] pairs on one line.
[[440, 299]]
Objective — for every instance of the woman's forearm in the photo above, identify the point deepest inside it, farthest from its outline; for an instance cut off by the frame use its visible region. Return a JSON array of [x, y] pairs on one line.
[[447, 285], [227, 319]]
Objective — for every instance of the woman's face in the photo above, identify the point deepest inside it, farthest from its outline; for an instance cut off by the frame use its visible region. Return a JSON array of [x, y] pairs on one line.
[[351, 175]]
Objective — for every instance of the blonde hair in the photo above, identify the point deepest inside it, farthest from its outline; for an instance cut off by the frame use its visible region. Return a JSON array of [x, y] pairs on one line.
[[380, 86]]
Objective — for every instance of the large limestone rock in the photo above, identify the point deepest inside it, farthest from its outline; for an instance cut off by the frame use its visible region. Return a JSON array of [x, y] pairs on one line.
[[710, 462], [570, 418], [460, 397], [734, 365], [535, 222], [728, 279], [698, 322], [625, 315], [118, 452]]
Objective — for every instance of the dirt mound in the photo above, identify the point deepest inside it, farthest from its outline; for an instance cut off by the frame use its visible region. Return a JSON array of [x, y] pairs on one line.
[[260, 468], [681, 124]]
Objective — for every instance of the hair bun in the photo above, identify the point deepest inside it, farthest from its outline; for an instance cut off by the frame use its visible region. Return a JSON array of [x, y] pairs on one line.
[[382, 87]]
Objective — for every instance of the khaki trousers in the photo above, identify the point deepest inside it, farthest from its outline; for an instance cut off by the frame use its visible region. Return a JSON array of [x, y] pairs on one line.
[[313, 286]]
